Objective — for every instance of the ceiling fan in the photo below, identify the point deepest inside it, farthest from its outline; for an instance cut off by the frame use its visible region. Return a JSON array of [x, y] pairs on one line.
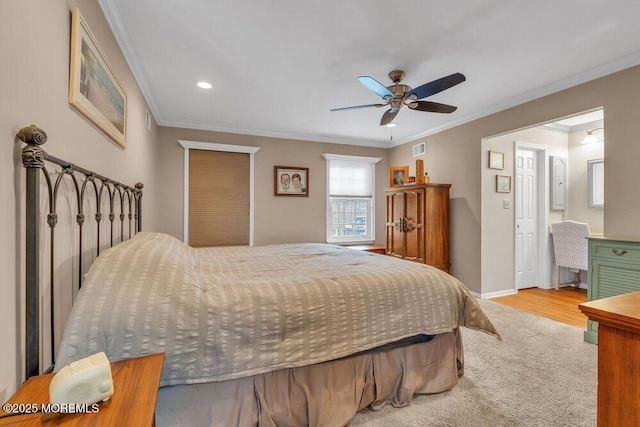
[[397, 95]]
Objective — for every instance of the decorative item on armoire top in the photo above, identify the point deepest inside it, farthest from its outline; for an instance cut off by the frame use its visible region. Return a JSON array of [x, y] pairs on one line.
[[291, 181], [398, 175], [93, 88], [503, 184], [419, 171], [496, 160]]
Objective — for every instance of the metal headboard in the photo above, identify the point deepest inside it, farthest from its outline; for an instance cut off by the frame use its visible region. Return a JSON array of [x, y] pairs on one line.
[[33, 159]]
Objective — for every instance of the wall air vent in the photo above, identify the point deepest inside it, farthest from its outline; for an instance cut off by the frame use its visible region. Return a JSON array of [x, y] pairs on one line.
[[419, 149]]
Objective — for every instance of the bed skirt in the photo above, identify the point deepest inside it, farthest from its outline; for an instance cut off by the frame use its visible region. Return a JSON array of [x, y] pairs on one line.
[[325, 394]]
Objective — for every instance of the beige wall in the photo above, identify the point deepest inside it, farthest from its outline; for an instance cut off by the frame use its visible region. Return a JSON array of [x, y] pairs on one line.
[[458, 149], [453, 158], [34, 80], [277, 219]]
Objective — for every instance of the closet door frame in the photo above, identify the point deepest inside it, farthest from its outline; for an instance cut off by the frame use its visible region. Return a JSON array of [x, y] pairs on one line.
[[198, 145]]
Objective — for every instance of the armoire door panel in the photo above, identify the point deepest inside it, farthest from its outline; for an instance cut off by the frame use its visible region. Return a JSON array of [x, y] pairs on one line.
[[395, 238], [414, 214]]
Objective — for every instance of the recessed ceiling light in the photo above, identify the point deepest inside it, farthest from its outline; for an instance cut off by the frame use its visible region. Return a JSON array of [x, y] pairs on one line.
[[204, 85], [390, 125]]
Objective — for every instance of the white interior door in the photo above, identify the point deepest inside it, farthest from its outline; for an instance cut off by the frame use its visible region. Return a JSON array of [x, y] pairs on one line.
[[526, 237]]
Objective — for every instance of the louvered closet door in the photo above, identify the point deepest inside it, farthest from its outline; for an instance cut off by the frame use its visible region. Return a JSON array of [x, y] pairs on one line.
[[218, 198]]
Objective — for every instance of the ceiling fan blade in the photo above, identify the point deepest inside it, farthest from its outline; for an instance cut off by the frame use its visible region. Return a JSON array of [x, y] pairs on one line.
[[388, 116], [355, 107], [436, 86], [432, 107], [376, 87]]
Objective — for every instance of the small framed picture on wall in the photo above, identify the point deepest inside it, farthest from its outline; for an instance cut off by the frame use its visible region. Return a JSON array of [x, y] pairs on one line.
[[291, 181], [496, 160], [503, 184]]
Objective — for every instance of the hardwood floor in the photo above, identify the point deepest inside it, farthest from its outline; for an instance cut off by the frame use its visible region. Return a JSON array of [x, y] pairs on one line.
[[559, 305]]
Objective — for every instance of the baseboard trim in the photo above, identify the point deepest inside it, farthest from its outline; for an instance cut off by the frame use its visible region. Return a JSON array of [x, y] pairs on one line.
[[506, 292], [495, 294], [570, 285]]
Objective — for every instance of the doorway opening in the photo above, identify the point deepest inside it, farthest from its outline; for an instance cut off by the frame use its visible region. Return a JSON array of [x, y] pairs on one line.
[[503, 243]]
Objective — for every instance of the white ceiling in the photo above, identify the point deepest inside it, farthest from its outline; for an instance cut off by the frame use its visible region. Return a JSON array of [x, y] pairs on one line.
[[594, 116], [580, 122], [278, 66]]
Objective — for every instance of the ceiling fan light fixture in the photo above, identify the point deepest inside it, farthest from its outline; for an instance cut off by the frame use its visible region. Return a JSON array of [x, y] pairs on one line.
[[398, 95], [390, 125], [590, 138], [204, 85]]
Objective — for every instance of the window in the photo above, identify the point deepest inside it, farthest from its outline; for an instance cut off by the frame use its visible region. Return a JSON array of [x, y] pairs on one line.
[[350, 198]]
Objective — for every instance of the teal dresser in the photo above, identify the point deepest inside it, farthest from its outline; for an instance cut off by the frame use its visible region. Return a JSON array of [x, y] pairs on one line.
[[614, 269]]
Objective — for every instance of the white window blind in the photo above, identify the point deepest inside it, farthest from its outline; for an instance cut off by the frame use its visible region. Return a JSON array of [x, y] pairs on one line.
[[350, 178]]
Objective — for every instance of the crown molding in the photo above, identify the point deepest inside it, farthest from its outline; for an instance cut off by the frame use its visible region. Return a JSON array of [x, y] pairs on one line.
[[329, 139], [587, 126], [557, 127], [114, 18]]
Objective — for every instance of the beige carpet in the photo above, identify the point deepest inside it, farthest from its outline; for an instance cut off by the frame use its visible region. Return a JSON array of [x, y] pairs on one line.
[[541, 374]]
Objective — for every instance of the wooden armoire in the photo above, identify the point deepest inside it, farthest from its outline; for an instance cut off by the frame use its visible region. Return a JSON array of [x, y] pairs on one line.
[[418, 224]]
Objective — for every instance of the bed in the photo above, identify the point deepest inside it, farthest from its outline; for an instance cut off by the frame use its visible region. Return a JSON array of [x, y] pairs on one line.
[[295, 334]]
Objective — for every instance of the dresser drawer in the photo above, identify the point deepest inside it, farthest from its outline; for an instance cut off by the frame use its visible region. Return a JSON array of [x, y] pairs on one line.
[[619, 251], [613, 278]]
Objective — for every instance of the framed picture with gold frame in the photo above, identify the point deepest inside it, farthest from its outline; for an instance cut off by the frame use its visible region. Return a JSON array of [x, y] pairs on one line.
[[503, 184], [496, 160], [93, 88], [398, 175]]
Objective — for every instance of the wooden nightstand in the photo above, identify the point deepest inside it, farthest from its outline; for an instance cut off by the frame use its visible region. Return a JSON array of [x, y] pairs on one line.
[[378, 249], [135, 382]]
